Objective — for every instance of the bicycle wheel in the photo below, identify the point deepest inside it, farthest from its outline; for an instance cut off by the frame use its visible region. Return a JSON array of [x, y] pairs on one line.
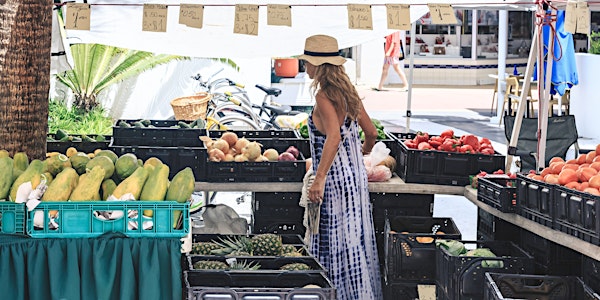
[[234, 122], [241, 111]]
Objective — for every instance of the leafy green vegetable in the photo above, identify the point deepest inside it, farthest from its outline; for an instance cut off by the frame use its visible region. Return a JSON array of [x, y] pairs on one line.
[[455, 248]]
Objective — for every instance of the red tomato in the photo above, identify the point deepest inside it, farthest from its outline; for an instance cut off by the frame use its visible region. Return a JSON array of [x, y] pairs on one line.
[[447, 133], [410, 144], [466, 149], [485, 141]]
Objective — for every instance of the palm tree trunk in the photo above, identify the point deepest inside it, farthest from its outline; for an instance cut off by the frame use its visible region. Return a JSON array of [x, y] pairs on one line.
[[25, 37]]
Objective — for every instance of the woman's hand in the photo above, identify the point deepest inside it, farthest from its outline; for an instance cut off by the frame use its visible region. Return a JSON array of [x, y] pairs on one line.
[[316, 191]]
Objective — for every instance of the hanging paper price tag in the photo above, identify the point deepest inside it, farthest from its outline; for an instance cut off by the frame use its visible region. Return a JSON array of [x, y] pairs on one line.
[[442, 14], [191, 15], [360, 17], [78, 16], [398, 16], [246, 19], [155, 18], [279, 15]]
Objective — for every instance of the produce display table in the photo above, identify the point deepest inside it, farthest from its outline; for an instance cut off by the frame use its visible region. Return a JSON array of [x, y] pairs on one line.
[[109, 267], [394, 185], [558, 237]]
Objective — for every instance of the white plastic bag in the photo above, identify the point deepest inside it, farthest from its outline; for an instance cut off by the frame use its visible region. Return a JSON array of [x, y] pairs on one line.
[[379, 153]]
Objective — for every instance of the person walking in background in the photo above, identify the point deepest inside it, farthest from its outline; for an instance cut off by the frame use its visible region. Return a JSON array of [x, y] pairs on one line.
[[344, 241], [394, 53]]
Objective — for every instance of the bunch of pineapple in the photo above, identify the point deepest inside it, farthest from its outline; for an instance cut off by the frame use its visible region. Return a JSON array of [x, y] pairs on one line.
[[267, 244], [219, 265]]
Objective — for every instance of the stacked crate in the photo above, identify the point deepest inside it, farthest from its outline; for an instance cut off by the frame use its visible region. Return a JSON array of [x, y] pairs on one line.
[[277, 213]]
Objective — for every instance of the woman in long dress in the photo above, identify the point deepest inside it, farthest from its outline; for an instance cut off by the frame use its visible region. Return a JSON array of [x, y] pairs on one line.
[[345, 242]]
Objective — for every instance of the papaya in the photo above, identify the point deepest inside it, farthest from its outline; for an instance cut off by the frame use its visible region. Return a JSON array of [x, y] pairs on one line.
[[180, 190], [16, 173], [71, 151], [153, 161], [79, 162], [103, 161], [156, 186], [57, 163], [132, 184], [6, 176], [36, 180], [126, 164], [108, 186], [20, 161], [61, 187], [108, 153], [35, 167], [48, 177], [4, 153], [140, 162], [88, 187]]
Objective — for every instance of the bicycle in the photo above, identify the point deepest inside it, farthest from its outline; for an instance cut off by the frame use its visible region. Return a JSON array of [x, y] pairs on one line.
[[220, 85]]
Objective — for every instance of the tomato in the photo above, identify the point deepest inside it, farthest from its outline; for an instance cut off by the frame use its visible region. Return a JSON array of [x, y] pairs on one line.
[[424, 146], [421, 137], [466, 149], [488, 151], [469, 139], [434, 143], [485, 141], [447, 133], [410, 144]]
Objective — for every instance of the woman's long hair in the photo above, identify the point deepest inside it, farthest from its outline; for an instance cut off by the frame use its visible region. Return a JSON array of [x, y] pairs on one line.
[[334, 83]]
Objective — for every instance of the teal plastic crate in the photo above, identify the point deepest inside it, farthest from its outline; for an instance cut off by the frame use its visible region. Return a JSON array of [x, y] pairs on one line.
[[86, 219], [12, 217]]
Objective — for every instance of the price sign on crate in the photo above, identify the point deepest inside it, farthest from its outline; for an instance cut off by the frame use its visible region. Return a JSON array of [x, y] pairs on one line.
[[155, 18]]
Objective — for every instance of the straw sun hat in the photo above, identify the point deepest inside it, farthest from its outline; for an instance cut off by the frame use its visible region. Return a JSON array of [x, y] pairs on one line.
[[321, 49]]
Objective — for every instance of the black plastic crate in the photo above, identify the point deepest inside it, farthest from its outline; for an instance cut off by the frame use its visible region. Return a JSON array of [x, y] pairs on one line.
[[444, 168], [591, 272], [523, 286], [551, 258], [577, 214], [177, 158], [82, 146], [499, 193], [404, 290], [462, 277], [492, 228], [161, 134], [278, 226], [267, 264], [535, 200], [291, 239], [250, 285], [399, 204], [276, 204], [410, 246]]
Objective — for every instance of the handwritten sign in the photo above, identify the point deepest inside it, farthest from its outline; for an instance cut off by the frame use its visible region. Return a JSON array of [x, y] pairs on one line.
[[571, 17], [246, 19], [155, 18], [442, 14], [360, 17], [583, 18], [191, 15], [78, 16], [398, 16], [279, 15]]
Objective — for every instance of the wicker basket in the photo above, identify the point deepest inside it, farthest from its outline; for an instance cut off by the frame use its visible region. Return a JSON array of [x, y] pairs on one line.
[[191, 108]]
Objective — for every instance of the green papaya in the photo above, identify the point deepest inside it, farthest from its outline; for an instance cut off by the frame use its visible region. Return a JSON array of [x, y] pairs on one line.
[[180, 190], [156, 186], [132, 184], [56, 163], [20, 161], [4, 153], [6, 176], [79, 162], [88, 187], [108, 153], [61, 186], [126, 164], [35, 167], [104, 162], [108, 186]]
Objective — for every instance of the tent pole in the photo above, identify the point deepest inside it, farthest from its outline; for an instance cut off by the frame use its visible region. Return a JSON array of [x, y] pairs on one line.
[[411, 64], [522, 102], [543, 112]]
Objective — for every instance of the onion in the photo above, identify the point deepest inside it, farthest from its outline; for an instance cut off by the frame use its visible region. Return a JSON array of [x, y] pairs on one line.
[[389, 162], [286, 156], [293, 150], [271, 154], [222, 145], [261, 158], [251, 151], [240, 144], [308, 164], [216, 155], [240, 158], [230, 137], [228, 157], [208, 142]]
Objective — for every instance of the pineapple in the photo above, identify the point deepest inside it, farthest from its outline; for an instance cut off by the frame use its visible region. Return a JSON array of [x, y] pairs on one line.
[[295, 267], [210, 265], [245, 266], [288, 248], [267, 244], [204, 248], [230, 245], [291, 251], [238, 253]]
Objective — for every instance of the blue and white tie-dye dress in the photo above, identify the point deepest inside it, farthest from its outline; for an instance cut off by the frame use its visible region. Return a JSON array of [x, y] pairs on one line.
[[345, 244]]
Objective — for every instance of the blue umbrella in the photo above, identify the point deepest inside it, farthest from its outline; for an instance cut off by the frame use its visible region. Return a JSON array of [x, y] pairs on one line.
[[564, 68]]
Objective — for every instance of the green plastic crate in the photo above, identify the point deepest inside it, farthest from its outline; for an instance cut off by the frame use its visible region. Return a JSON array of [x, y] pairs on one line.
[[82, 220], [12, 217]]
